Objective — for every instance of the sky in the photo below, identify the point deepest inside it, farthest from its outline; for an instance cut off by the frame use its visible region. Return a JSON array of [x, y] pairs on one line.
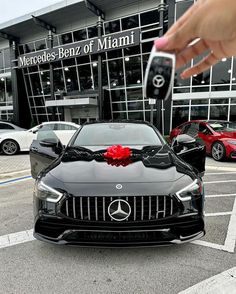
[[14, 8]]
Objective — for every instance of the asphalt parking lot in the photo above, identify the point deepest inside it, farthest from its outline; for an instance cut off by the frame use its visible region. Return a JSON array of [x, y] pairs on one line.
[[30, 266]]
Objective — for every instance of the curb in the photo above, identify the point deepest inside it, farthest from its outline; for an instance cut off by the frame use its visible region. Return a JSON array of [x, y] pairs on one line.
[[14, 174]]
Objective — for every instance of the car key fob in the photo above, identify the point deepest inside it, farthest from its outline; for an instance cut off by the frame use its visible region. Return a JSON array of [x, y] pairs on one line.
[[159, 75]]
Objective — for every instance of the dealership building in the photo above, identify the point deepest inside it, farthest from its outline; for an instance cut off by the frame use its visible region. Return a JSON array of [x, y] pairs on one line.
[[72, 59]]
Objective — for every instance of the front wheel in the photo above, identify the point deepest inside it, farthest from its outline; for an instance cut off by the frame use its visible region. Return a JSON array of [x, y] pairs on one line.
[[9, 147], [218, 151]]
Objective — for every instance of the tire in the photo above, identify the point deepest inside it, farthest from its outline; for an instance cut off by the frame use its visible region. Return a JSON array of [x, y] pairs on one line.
[[9, 147], [218, 151]]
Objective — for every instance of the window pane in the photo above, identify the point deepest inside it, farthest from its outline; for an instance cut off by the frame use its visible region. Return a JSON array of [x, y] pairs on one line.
[[180, 82], [136, 115], [199, 101], [71, 80], [112, 26], [220, 101], [85, 77], [80, 35], [149, 17], [58, 80], [134, 50], [219, 112], [135, 105], [116, 72], [36, 86], [40, 45], [46, 82], [29, 47], [179, 115], [92, 32], [181, 102], [7, 59], [119, 115], [199, 112], [232, 113], [2, 91], [119, 106], [66, 38], [118, 95], [130, 22], [221, 72], [9, 90], [133, 71], [134, 94]]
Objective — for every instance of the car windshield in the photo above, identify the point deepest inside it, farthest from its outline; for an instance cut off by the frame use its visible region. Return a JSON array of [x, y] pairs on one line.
[[107, 134], [223, 126]]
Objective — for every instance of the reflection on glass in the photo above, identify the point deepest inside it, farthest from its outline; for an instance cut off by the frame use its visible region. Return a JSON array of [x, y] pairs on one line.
[[45, 81], [117, 95], [29, 47], [220, 101], [199, 112], [36, 85], [71, 80], [112, 26], [119, 106], [149, 17], [80, 35], [199, 101], [181, 102], [116, 73], [40, 45], [134, 94], [179, 115], [114, 53], [66, 38], [130, 22], [151, 34], [133, 71], [39, 102], [221, 72], [147, 47], [120, 115], [133, 50], [219, 112], [58, 80], [135, 105], [232, 116], [9, 91], [136, 115], [92, 32], [180, 82], [85, 77]]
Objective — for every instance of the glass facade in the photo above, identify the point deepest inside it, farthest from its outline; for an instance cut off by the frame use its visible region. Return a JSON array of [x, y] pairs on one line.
[[123, 70], [208, 95], [6, 108]]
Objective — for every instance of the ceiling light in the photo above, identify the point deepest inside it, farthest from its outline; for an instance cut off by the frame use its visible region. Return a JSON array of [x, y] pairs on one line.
[[203, 82], [41, 72], [126, 58], [2, 79], [68, 80], [224, 59], [233, 79], [195, 75], [230, 70], [66, 68], [114, 84], [95, 64], [138, 81], [48, 83]]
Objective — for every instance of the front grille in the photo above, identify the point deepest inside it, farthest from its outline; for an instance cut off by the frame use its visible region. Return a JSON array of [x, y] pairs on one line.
[[143, 208]]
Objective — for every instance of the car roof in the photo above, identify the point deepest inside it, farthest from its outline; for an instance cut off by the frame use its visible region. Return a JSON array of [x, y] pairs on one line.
[[130, 121], [59, 122]]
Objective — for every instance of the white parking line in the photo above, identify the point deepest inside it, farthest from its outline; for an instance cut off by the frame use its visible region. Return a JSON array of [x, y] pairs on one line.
[[230, 240], [219, 213], [16, 238], [225, 173], [222, 283], [220, 195], [218, 182]]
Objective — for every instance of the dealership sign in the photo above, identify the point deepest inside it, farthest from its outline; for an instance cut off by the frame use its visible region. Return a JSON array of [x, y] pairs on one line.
[[87, 47]]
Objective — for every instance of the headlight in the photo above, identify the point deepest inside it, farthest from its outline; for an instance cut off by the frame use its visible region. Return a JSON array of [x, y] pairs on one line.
[[233, 142], [192, 190], [47, 193]]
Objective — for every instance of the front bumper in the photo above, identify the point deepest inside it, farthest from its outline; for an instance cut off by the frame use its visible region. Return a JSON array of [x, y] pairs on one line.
[[176, 231]]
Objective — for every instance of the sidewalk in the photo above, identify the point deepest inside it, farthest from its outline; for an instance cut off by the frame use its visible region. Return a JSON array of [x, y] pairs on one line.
[[15, 165]]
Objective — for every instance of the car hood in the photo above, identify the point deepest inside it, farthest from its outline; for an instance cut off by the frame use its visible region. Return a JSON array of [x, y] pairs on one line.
[[153, 165]]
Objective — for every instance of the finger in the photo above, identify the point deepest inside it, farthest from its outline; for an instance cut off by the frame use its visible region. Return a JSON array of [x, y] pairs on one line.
[[191, 52], [201, 66]]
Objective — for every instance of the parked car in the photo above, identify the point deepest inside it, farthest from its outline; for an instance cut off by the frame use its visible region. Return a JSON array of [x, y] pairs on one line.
[[9, 127], [218, 136], [96, 192], [13, 142]]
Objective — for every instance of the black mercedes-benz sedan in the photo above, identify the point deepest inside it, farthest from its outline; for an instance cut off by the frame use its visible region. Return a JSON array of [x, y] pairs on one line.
[[117, 184]]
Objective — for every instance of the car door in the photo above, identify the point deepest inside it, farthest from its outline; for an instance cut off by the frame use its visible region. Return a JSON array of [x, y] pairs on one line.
[[41, 156], [64, 132]]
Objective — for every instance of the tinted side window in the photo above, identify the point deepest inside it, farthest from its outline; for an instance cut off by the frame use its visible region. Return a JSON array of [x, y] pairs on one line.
[[47, 127], [6, 127], [204, 129], [191, 129], [64, 127]]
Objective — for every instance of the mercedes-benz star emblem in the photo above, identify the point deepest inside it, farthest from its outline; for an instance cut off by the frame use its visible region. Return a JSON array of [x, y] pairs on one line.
[[119, 210], [158, 81]]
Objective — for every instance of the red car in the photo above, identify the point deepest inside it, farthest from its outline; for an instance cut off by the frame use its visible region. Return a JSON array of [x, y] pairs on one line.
[[218, 136]]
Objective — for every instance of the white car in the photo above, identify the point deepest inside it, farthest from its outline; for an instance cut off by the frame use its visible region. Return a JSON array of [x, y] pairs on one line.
[[13, 142], [6, 127]]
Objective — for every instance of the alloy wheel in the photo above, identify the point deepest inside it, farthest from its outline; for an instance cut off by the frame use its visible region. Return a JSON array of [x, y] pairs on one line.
[[218, 151], [9, 147]]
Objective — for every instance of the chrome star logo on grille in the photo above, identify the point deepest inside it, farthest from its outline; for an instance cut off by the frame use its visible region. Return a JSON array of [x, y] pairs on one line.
[[119, 210]]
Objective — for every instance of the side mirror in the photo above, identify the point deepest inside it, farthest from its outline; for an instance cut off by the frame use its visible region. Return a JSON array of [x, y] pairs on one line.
[[50, 142], [35, 130], [183, 142]]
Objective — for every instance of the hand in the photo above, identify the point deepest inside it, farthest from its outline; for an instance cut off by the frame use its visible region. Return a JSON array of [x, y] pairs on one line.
[[208, 25]]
